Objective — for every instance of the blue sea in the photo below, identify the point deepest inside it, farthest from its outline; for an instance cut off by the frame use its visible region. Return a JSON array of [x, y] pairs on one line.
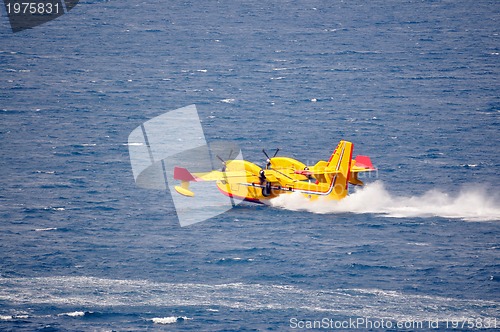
[[413, 84]]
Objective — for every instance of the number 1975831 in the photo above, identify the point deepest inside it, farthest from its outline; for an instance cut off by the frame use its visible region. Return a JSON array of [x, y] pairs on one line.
[[33, 8], [472, 323]]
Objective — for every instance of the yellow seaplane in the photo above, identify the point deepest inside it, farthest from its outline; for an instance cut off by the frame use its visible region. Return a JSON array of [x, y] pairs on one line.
[[245, 180]]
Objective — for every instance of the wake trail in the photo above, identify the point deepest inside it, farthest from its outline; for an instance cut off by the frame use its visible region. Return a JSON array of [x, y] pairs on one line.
[[469, 204]]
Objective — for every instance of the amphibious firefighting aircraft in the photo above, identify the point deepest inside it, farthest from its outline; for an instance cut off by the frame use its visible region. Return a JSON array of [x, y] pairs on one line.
[[282, 175]]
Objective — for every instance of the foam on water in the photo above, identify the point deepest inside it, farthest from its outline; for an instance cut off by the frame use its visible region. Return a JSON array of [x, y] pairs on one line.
[[13, 317], [97, 292], [470, 204], [45, 229], [168, 320], [73, 314]]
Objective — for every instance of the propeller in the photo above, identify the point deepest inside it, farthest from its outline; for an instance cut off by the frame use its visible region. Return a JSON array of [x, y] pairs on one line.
[[268, 160], [224, 162]]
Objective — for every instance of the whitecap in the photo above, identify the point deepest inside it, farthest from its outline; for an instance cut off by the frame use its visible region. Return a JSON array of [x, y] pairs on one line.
[[418, 244], [73, 314], [45, 229], [13, 317], [168, 320], [234, 259], [469, 165], [45, 172]]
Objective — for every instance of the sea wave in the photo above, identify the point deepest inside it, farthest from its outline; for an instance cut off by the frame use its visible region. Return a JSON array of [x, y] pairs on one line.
[[45, 229], [91, 292], [169, 320], [75, 313], [13, 317]]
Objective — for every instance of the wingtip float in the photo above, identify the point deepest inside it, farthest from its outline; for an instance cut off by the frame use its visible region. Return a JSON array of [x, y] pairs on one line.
[[245, 180]]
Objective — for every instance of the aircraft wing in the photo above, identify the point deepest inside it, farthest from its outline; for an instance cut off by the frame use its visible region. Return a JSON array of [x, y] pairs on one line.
[[183, 174]]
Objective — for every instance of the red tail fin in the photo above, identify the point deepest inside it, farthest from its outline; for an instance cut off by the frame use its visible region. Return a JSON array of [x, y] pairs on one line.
[[364, 162], [183, 174]]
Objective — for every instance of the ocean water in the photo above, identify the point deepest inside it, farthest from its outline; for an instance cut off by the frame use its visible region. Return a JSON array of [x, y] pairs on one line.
[[413, 84]]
